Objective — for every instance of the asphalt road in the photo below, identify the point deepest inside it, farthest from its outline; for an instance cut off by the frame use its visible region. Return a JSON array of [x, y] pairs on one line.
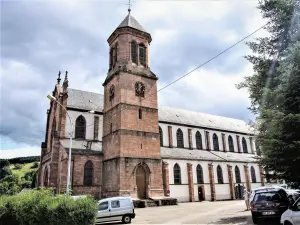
[[221, 213]]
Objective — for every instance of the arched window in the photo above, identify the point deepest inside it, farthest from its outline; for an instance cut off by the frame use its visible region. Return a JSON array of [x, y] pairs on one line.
[[253, 176], [116, 53], [199, 175], [110, 58], [244, 143], [134, 52], [198, 140], [258, 152], [142, 55], [88, 173], [80, 127], [46, 177], [177, 174], [216, 142], [230, 143], [220, 175], [179, 136], [161, 137], [237, 175]]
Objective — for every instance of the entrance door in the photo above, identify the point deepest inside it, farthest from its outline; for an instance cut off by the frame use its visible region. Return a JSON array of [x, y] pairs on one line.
[[239, 191], [141, 182], [200, 193]]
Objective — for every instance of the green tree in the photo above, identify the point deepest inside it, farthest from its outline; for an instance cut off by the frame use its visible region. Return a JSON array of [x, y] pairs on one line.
[[274, 87]]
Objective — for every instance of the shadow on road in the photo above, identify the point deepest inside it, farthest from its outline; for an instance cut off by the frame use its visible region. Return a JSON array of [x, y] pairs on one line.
[[246, 220]]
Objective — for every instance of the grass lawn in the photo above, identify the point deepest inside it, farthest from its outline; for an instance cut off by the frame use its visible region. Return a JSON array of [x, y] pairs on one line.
[[25, 168]]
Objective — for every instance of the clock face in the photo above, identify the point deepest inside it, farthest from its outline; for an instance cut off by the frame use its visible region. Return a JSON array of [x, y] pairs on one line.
[[139, 89], [111, 92]]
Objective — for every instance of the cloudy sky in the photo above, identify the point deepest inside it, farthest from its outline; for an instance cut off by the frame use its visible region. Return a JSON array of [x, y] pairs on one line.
[[39, 38]]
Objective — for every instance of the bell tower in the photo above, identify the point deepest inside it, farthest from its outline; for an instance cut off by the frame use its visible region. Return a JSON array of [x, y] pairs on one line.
[[132, 162]]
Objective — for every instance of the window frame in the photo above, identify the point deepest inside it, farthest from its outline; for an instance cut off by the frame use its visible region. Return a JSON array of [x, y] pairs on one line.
[[253, 174], [230, 144], [80, 127], [237, 173], [177, 174], [105, 208], [199, 173], [134, 55], [220, 177], [88, 174], [179, 138], [161, 137], [245, 146], [198, 137], [216, 142]]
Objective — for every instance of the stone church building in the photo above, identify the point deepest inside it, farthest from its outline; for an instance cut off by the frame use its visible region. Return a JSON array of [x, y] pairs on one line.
[[124, 144]]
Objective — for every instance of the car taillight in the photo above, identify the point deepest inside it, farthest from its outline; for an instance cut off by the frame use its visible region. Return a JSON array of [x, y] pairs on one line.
[[253, 207]]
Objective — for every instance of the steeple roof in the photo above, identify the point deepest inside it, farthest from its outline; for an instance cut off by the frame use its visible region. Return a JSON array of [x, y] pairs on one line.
[[130, 21]]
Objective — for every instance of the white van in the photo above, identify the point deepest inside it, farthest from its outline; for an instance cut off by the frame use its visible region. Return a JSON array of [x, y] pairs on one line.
[[115, 209]]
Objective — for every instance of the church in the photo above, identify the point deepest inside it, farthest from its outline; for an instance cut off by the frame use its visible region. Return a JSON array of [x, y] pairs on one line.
[[123, 143]]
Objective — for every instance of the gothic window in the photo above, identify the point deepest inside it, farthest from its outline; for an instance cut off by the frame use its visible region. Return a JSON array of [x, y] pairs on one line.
[[179, 136], [237, 175], [116, 53], [244, 143], [142, 55], [230, 143], [177, 174], [253, 176], [161, 137], [199, 175], [258, 152], [216, 142], [88, 173], [46, 177], [80, 127], [140, 114], [110, 58], [220, 175], [111, 92], [139, 89], [198, 140], [134, 52]]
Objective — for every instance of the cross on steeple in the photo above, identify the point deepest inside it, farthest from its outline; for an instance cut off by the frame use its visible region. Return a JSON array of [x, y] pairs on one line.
[[129, 9]]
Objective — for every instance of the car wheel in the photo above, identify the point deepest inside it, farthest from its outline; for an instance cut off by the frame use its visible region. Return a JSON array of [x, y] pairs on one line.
[[255, 220], [287, 223], [126, 219]]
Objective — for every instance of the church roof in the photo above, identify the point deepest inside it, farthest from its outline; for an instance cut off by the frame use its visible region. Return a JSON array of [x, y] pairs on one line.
[[199, 119], [85, 100], [130, 21], [180, 153], [93, 101]]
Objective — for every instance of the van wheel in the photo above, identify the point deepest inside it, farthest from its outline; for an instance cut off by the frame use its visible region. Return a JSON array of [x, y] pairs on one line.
[[126, 219]]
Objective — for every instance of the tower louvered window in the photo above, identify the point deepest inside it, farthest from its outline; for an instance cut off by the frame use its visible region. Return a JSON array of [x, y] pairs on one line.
[[116, 54], [134, 52], [230, 143], [142, 55], [244, 143], [198, 140], [216, 142], [179, 136]]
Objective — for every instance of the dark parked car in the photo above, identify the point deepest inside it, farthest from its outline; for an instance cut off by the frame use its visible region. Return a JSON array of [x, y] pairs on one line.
[[269, 204]]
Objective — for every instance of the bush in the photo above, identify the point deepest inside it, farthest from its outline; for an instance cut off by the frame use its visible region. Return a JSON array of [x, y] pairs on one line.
[[35, 165], [18, 166], [41, 207], [4, 163], [5, 171]]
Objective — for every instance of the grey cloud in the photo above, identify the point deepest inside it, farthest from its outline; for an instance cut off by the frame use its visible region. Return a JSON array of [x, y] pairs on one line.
[[46, 37]]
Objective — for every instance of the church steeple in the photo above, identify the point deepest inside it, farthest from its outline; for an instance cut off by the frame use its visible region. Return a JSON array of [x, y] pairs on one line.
[[129, 49]]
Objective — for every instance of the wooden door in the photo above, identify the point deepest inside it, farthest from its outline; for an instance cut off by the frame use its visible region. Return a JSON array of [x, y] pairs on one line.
[[141, 182]]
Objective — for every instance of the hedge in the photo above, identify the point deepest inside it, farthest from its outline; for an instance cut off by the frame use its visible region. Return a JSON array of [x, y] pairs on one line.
[[40, 207]]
